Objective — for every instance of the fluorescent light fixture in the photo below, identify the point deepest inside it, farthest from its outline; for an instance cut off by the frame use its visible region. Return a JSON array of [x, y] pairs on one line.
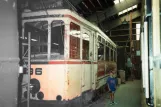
[[130, 8], [55, 44], [85, 37], [99, 55], [74, 32], [124, 11], [34, 40], [135, 6], [116, 1], [120, 13]]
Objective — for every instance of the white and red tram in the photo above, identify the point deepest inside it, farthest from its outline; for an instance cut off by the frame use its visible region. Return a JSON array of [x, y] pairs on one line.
[[70, 56]]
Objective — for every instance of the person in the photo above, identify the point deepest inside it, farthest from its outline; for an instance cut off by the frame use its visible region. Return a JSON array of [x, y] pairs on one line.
[[129, 66], [122, 76], [111, 82]]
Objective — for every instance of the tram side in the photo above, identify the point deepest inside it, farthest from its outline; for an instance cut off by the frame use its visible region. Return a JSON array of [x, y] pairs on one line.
[[70, 58]]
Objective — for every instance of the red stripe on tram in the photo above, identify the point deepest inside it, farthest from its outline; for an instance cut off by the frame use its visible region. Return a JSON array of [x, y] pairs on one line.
[[69, 62], [100, 73]]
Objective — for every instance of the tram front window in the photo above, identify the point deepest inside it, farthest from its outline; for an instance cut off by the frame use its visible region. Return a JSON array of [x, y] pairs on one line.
[[57, 39], [39, 38]]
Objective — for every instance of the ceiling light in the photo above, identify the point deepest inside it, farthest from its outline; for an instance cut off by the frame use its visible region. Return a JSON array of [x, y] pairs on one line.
[[121, 0], [120, 13], [124, 22], [34, 40], [129, 9], [124, 11], [55, 44], [135, 6], [116, 1]]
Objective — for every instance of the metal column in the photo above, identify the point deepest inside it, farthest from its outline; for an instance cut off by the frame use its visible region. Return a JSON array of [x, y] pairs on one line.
[[29, 68], [156, 51]]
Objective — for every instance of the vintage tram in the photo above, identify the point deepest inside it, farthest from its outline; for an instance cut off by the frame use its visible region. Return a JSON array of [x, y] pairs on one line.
[[70, 57]]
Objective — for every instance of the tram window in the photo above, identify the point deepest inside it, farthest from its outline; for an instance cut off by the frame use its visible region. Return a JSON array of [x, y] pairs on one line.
[[57, 39], [103, 41], [100, 52], [74, 41], [39, 38], [107, 53], [99, 38], [115, 56], [114, 59], [106, 43], [85, 53], [109, 45], [112, 55]]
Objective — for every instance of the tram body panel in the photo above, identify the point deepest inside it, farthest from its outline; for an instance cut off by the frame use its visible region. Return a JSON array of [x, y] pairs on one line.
[[51, 80], [73, 81]]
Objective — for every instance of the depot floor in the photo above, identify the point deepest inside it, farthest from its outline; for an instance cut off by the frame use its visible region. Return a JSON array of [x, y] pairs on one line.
[[127, 95]]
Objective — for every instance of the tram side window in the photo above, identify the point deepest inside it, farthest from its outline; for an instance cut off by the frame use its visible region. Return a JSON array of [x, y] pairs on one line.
[[112, 58], [107, 53], [39, 38], [74, 41], [57, 39], [100, 52], [115, 55], [85, 51]]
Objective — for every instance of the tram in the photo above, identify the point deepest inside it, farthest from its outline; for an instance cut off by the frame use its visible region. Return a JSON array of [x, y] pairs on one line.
[[70, 57]]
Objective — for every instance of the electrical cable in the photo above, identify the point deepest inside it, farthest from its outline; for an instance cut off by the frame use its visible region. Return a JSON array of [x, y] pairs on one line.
[[43, 4]]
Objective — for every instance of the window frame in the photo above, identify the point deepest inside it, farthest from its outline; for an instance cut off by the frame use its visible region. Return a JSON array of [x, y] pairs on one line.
[[101, 42], [51, 39], [107, 46], [23, 36], [79, 52]]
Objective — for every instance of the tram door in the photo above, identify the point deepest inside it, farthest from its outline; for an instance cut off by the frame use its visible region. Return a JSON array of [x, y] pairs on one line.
[[87, 58]]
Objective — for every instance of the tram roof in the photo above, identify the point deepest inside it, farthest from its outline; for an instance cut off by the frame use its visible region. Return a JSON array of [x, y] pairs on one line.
[[61, 13]]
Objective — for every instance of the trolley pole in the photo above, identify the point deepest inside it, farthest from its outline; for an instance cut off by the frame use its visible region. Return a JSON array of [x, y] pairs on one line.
[[29, 67]]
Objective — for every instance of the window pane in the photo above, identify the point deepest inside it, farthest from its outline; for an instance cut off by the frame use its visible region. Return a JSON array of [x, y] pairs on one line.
[[74, 41], [107, 53], [100, 52], [103, 41], [99, 38], [39, 38], [57, 39], [85, 48], [111, 55], [116, 1], [114, 59]]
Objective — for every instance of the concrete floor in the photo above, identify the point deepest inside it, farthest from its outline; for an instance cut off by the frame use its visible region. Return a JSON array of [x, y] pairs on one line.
[[127, 95]]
